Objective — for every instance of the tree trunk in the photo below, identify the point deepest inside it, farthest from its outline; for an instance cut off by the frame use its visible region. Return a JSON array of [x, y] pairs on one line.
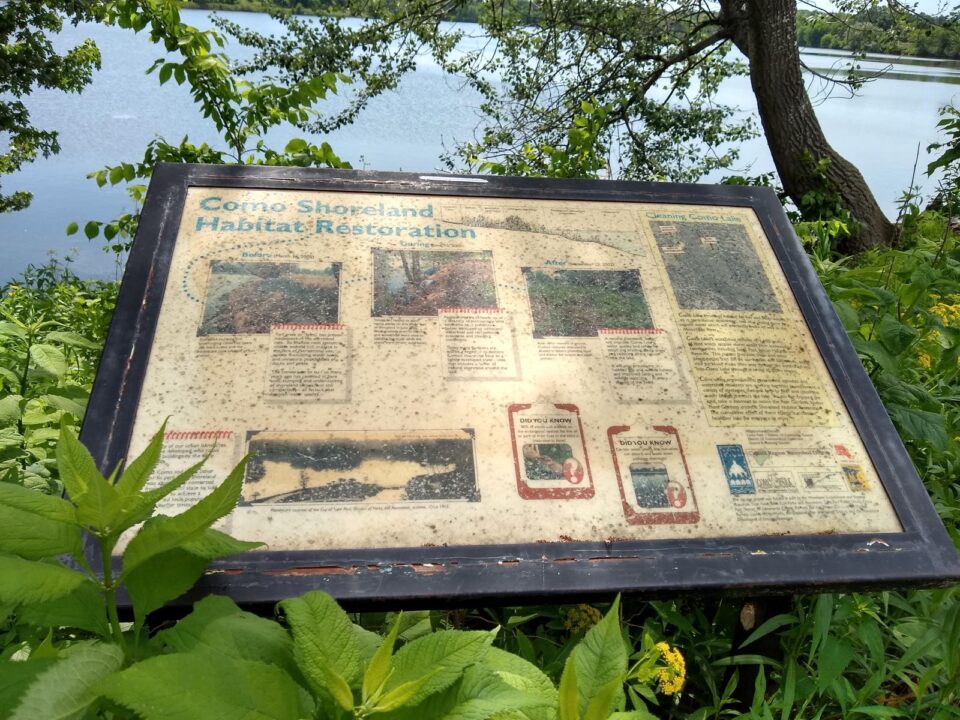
[[766, 32]]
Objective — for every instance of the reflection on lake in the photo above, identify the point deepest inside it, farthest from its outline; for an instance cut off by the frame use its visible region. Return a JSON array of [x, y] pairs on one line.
[[113, 120]]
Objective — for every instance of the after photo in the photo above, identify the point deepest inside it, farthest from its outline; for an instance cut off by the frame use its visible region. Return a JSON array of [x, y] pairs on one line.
[[578, 303]]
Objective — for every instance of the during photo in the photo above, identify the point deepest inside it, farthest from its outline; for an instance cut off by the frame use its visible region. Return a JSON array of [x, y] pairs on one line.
[[415, 282], [578, 303], [249, 297], [351, 467], [713, 266]]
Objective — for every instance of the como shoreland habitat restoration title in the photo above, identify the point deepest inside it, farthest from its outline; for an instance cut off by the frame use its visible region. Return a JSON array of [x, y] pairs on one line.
[[521, 387], [255, 216]]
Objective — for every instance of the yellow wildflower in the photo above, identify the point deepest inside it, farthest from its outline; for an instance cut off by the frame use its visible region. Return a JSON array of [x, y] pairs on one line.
[[948, 310], [924, 360], [673, 676], [581, 617]]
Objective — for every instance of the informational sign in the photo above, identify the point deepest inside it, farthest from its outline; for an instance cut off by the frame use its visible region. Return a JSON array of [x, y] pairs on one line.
[[424, 369]]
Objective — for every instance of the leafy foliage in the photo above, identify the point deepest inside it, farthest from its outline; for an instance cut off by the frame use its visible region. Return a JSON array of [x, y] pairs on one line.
[[242, 111], [52, 327], [30, 61]]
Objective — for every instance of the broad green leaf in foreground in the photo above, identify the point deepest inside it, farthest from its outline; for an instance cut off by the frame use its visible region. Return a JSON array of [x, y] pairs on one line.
[[324, 645], [167, 576], [15, 677], [601, 657], [83, 608], [163, 533], [479, 694], [217, 625], [208, 686], [27, 581], [138, 471], [322, 631], [444, 655], [67, 689], [379, 667], [34, 525], [568, 696], [96, 499]]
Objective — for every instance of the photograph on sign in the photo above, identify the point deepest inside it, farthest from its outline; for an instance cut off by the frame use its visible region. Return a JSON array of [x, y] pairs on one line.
[[415, 370]]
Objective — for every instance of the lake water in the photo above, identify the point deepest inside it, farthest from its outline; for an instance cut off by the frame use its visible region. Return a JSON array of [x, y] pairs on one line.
[[123, 109]]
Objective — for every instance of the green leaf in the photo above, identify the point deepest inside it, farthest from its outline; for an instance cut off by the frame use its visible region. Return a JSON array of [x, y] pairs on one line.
[[10, 410], [29, 531], [895, 336], [72, 228], [9, 329], [92, 228], [138, 471], [10, 439], [368, 642], [67, 689], [83, 609], [601, 657], [96, 499], [879, 711], [209, 686], [188, 632], [324, 644], [72, 339], [920, 425], [404, 694], [28, 581], [46, 506], [15, 677], [848, 316], [379, 667], [296, 145], [479, 694], [67, 404], [48, 359], [519, 674], [447, 651], [822, 615], [218, 626], [835, 656], [11, 377], [777, 621], [164, 577], [603, 703], [876, 352], [162, 533], [569, 696], [152, 497]]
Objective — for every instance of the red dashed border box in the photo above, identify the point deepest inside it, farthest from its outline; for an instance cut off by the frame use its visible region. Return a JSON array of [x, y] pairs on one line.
[[307, 326], [470, 310], [631, 331], [198, 434]]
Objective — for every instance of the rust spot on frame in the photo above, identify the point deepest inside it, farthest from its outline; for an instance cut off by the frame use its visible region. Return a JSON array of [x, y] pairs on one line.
[[317, 570]]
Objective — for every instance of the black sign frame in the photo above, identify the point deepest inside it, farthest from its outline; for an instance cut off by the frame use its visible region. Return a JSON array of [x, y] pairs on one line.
[[367, 578]]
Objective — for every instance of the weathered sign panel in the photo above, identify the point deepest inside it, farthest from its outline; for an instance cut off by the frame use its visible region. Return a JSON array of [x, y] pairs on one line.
[[458, 389]]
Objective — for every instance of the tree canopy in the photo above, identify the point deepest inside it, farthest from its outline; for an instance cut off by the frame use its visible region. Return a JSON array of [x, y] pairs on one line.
[[28, 60], [653, 67]]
